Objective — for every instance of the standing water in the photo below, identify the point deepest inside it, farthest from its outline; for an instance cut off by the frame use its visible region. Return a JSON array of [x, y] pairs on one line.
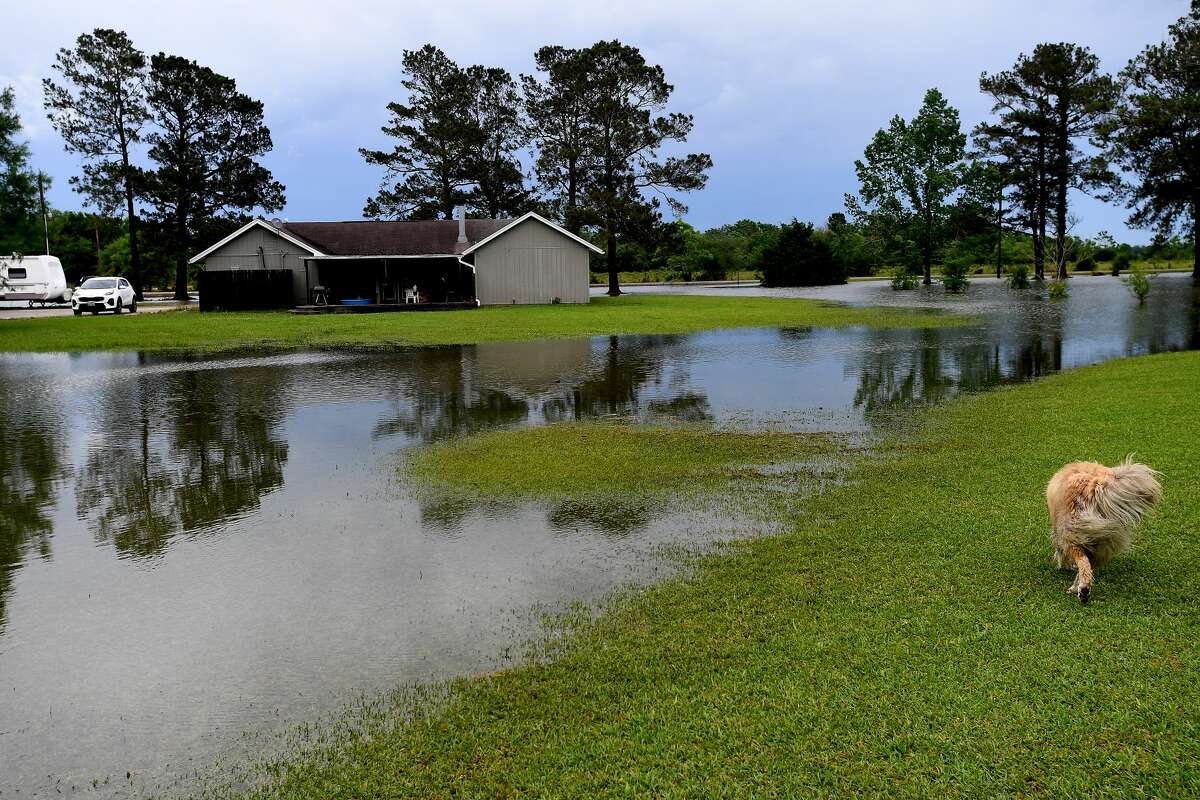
[[197, 549]]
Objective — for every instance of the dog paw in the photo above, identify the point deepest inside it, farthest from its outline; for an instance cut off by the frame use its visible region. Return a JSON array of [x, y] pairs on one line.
[[1085, 594]]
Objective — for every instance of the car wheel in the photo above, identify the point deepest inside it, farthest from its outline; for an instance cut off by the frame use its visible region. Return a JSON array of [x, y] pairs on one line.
[[117, 310], [77, 312], [133, 306]]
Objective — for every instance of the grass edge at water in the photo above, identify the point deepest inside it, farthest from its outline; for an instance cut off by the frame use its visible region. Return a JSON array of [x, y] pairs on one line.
[[909, 637], [630, 314]]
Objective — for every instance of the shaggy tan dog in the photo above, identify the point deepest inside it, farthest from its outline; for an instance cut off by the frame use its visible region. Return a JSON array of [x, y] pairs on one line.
[[1093, 511]]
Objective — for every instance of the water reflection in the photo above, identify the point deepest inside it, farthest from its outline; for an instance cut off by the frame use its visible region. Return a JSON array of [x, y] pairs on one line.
[[614, 516], [31, 464], [179, 453]]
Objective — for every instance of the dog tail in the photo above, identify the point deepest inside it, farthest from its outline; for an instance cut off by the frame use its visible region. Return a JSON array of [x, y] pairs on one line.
[[1104, 527], [1131, 494]]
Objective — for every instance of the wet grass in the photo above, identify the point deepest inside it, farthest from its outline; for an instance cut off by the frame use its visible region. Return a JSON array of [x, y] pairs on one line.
[[631, 314], [575, 459], [907, 637]]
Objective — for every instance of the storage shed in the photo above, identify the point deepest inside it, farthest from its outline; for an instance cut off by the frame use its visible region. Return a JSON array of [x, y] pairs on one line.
[[485, 261]]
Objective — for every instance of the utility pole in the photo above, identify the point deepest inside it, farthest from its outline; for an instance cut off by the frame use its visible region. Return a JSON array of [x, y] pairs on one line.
[[45, 217]]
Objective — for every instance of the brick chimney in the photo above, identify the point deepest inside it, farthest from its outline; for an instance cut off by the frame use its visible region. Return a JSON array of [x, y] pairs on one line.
[[462, 224]]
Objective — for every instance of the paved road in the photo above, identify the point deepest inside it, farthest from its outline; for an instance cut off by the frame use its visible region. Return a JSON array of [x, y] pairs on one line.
[[22, 310]]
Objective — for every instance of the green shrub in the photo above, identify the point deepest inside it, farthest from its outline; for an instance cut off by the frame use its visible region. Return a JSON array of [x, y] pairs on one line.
[[903, 279], [954, 274], [1085, 264], [1057, 290], [1018, 277], [800, 257], [1121, 261], [1139, 282]]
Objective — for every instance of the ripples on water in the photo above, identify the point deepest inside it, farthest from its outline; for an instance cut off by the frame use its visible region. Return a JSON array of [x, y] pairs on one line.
[[195, 547]]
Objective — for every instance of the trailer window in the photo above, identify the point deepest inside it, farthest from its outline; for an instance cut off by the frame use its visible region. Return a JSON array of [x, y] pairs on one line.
[[15, 273]]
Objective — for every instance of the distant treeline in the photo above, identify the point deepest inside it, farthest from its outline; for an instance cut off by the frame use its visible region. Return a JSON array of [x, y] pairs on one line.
[[797, 253]]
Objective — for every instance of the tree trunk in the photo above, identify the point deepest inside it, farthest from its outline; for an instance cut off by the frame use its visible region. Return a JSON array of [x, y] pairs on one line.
[[447, 199], [570, 216], [1062, 167], [183, 209], [1060, 232], [135, 257], [181, 287], [1000, 234], [1039, 214], [927, 251], [1195, 236], [610, 258], [96, 228]]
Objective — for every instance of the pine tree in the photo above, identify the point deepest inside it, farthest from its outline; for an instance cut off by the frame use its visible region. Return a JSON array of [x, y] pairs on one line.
[[206, 138], [99, 111], [1155, 134]]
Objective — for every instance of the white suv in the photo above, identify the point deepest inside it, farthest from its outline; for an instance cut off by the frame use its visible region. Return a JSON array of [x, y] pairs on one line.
[[104, 294]]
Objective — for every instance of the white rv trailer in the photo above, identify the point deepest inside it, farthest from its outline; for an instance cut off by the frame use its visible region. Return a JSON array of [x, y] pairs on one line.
[[38, 279]]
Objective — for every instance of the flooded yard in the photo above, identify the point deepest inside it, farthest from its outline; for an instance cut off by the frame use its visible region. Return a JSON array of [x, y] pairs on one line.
[[198, 550]]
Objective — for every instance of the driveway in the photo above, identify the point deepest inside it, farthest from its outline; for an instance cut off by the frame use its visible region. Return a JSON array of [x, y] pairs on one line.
[[21, 310]]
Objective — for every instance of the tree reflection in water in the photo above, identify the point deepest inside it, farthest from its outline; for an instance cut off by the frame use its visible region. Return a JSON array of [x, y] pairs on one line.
[[566, 380], [186, 451], [929, 366], [438, 398], [31, 453]]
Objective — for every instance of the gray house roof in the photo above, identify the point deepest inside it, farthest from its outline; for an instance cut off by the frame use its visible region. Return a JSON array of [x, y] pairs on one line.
[[402, 238], [370, 238]]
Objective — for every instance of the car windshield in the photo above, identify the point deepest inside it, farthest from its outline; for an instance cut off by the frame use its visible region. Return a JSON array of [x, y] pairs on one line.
[[99, 283]]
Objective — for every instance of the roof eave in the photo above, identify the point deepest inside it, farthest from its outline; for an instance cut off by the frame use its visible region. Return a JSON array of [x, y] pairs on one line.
[[535, 216], [283, 234]]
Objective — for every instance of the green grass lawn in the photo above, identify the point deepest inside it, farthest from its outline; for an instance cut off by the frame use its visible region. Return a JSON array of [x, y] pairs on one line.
[[631, 314], [908, 637], [618, 459]]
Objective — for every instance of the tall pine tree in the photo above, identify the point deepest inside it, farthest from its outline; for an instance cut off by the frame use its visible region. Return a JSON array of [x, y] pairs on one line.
[[205, 143], [558, 110], [99, 110], [495, 135], [1155, 134], [425, 170], [628, 128]]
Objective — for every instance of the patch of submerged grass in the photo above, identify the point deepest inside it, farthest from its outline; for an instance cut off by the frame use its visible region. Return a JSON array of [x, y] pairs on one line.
[[631, 314], [909, 637], [584, 459]]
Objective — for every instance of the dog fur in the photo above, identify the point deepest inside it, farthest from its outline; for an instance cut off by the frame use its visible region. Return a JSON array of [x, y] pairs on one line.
[[1093, 511]]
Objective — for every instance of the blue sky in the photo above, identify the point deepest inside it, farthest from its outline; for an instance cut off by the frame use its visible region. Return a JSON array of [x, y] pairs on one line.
[[785, 95]]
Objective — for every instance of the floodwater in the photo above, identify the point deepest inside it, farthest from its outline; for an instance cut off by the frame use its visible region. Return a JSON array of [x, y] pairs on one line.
[[199, 550]]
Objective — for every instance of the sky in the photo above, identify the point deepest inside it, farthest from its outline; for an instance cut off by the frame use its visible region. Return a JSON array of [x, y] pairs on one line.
[[785, 95]]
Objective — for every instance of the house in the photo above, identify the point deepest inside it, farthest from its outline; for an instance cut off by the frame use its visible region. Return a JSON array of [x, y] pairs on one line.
[[486, 261]]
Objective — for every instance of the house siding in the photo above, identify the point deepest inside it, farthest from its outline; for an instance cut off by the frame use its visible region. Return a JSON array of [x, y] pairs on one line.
[[277, 253], [531, 263]]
